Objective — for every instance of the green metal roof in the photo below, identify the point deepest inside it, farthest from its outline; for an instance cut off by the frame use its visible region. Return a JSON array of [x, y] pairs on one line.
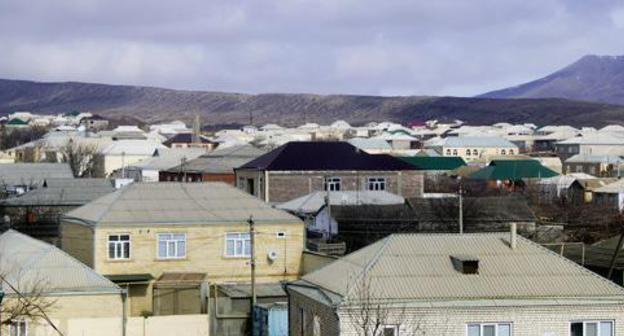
[[129, 278], [17, 121], [434, 162], [513, 170]]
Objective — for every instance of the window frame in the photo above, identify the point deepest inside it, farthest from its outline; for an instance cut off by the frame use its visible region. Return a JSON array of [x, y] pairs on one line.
[[334, 181], [175, 241], [486, 324], [598, 322], [394, 327], [244, 242], [12, 324], [280, 235], [380, 182], [119, 242]]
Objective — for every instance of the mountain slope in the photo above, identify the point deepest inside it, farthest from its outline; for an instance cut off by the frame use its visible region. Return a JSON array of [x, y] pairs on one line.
[[592, 78], [216, 108]]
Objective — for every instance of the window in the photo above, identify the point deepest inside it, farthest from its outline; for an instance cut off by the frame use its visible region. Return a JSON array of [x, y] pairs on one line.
[[332, 184], [376, 183], [511, 152], [171, 245], [467, 152], [18, 328], [488, 329], [448, 152], [503, 152], [591, 328], [281, 235], [454, 152], [237, 244], [119, 246], [241, 183], [390, 330]]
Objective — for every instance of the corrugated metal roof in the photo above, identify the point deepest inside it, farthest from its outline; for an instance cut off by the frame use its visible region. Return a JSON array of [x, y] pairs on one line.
[[583, 158], [313, 202], [32, 173], [414, 267], [370, 144], [513, 170], [600, 138], [63, 192], [178, 203], [166, 158], [221, 160], [434, 162], [28, 263], [470, 141]]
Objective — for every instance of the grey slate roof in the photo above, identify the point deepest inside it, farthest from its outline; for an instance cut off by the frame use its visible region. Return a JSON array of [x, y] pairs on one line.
[[418, 267], [221, 160], [63, 192], [27, 262], [177, 203], [32, 173]]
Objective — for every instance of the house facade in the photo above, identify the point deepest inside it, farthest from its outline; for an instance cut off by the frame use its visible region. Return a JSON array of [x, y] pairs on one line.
[[167, 242], [75, 298], [472, 148], [470, 284], [300, 168]]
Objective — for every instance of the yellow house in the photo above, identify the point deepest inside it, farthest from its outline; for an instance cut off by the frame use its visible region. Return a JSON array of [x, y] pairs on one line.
[[166, 242], [472, 148], [76, 300]]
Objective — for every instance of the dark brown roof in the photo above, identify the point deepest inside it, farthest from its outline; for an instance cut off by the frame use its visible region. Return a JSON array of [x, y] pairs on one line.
[[332, 155]]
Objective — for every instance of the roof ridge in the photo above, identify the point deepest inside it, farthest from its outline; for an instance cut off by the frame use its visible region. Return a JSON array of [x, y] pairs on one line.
[[370, 265]]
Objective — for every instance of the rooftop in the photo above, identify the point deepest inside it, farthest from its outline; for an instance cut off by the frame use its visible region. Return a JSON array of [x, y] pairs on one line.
[[313, 202], [221, 160], [331, 155], [26, 263], [472, 141], [32, 173], [418, 268], [63, 192], [175, 203]]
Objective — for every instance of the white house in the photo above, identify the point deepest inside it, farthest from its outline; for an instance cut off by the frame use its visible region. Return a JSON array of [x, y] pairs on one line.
[[494, 284]]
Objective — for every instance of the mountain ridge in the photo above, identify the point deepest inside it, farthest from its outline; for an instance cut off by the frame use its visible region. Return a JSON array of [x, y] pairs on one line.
[[153, 104], [591, 78]]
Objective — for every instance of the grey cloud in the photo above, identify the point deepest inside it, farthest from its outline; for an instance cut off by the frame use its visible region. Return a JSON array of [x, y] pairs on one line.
[[442, 47]]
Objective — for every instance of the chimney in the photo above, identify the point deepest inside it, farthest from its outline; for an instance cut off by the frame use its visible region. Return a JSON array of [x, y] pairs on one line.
[[513, 241]]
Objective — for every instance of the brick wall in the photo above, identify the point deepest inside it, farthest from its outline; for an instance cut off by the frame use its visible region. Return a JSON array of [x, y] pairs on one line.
[[526, 321], [285, 186]]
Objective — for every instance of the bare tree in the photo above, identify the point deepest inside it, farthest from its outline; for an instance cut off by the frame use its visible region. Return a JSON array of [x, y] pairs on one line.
[[26, 301], [370, 313], [83, 159]]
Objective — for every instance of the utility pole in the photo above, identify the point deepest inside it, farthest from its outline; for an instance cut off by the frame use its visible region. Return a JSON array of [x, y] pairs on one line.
[[252, 263], [615, 255], [461, 209], [183, 168], [123, 165]]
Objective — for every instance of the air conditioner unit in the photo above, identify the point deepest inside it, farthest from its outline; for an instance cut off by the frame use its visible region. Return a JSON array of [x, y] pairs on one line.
[[272, 256]]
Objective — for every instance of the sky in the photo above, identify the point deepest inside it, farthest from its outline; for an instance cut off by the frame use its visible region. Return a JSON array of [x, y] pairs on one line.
[[369, 47]]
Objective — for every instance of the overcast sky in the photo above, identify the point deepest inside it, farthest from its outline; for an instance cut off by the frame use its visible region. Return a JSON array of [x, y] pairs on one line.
[[381, 47]]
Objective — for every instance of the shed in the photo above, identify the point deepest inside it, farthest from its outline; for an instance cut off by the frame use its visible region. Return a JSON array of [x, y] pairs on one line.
[[270, 319]]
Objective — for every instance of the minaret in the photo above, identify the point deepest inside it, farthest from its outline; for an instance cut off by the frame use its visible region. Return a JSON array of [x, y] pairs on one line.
[[196, 131]]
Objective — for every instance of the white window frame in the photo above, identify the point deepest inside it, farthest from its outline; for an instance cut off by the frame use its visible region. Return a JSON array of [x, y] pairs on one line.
[[244, 238], [176, 245], [332, 184], [376, 183], [14, 323], [121, 244], [280, 235], [496, 325], [598, 322]]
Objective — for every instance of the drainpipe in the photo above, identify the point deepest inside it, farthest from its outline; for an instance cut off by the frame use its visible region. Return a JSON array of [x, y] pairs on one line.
[[124, 310]]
